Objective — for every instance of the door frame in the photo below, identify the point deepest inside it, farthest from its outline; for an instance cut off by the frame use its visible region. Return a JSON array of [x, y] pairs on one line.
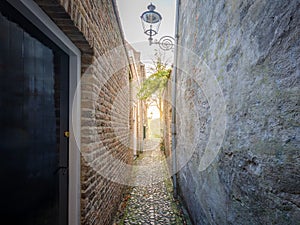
[[30, 10]]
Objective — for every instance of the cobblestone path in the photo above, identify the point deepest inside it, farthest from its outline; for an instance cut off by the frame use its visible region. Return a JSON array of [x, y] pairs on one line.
[[150, 200], [151, 144]]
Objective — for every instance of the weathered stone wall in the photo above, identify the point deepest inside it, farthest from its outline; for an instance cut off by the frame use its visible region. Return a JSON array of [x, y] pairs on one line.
[[94, 28], [252, 47]]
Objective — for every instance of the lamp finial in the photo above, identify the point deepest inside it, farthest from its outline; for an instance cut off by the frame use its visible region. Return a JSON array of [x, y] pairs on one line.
[[151, 7]]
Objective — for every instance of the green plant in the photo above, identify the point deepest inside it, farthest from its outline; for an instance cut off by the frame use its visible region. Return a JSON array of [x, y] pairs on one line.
[[155, 83]]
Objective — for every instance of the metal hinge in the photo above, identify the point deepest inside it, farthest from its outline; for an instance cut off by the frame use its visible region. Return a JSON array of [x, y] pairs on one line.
[[64, 170]]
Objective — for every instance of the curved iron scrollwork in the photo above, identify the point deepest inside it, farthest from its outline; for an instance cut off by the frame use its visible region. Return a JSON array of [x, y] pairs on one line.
[[166, 43]]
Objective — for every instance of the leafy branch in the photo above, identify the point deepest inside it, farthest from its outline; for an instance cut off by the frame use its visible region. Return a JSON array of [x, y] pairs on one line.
[[157, 81]]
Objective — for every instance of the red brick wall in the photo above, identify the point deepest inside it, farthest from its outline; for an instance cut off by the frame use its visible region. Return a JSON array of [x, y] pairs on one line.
[[167, 118], [93, 27]]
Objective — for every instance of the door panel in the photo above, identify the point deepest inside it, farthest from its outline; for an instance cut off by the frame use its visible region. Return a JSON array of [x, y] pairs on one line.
[[34, 115]]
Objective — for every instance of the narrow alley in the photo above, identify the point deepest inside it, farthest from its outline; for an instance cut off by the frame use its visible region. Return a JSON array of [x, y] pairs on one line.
[[110, 108], [151, 202]]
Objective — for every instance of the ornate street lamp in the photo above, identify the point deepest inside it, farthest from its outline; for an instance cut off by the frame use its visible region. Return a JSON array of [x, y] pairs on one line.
[[151, 21]]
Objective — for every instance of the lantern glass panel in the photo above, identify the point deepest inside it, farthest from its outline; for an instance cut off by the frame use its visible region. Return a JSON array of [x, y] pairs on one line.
[[151, 17]]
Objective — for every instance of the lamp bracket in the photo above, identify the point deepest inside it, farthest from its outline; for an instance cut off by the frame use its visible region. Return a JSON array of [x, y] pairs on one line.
[[166, 43]]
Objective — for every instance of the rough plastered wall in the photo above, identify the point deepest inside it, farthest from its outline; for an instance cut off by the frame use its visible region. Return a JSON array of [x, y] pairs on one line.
[[252, 48], [94, 28]]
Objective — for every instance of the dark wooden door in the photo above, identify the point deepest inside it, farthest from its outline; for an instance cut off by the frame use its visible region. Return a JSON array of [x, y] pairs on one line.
[[33, 118]]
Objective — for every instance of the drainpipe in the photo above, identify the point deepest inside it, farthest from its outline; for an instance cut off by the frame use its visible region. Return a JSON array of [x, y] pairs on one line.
[[174, 77]]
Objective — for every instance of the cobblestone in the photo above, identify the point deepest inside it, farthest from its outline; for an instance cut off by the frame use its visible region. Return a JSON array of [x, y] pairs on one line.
[[151, 144], [150, 202]]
